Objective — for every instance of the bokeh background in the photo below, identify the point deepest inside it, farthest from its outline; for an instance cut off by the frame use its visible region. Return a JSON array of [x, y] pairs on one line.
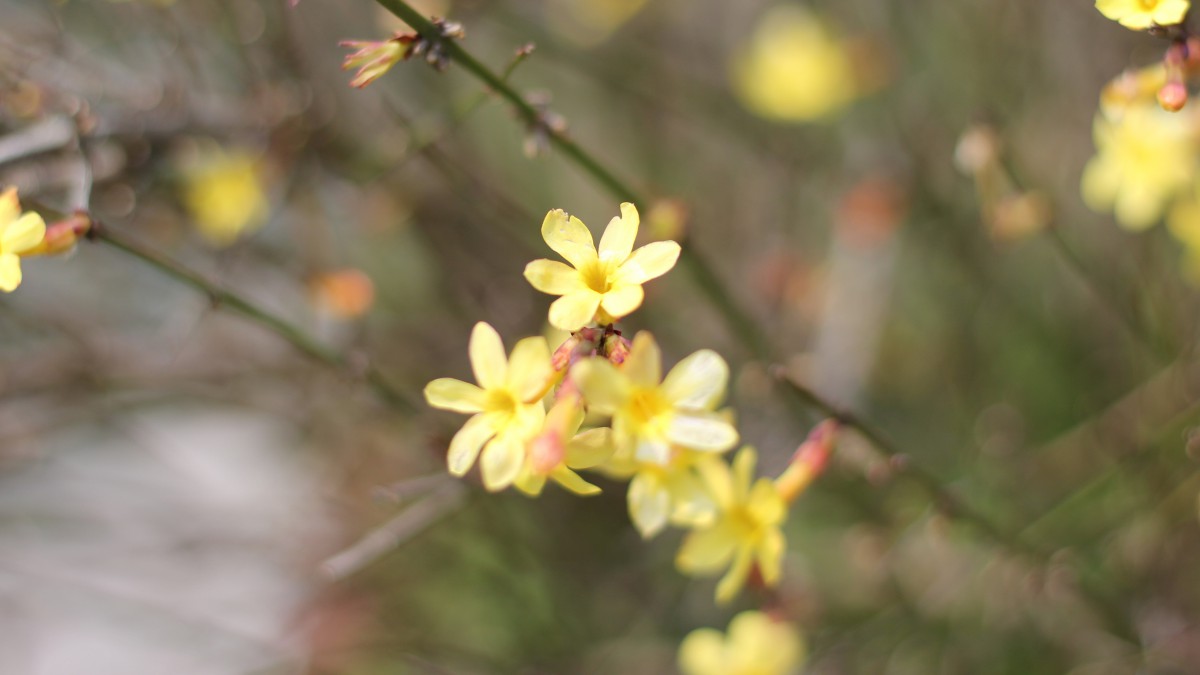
[[181, 491]]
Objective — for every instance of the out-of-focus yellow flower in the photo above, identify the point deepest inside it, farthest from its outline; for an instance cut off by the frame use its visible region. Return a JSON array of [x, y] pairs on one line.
[[746, 531], [561, 448], [756, 645], [602, 285], [506, 405], [373, 58], [1144, 159], [346, 294], [793, 68], [224, 192], [648, 417], [1142, 14], [20, 234], [659, 494]]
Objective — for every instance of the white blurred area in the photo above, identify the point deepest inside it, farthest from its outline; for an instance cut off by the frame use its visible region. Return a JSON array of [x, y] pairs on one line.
[[165, 541]]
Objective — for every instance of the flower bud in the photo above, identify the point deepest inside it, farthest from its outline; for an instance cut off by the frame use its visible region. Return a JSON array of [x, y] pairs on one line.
[[808, 461], [62, 236]]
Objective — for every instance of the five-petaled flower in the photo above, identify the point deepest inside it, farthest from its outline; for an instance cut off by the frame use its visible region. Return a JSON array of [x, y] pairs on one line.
[[756, 645], [1143, 14], [601, 285], [506, 405], [746, 531], [649, 416], [20, 234]]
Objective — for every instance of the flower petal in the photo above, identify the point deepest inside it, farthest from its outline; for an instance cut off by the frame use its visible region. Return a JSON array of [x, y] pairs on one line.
[[653, 450], [643, 366], [569, 237], [23, 234], [590, 448], [617, 241], [530, 373], [649, 504], [604, 388], [691, 504], [10, 272], [769, 555], [487, 356], [718, 479], [448, 393], [703, 653], [765, 504], [622, 300], [502, 460], [573, 482], [698, 381], [707, 432], [553, 277], [574, 310], [743, 473], [529, 482], [465, 445], [648, 262], [735, 578], [705, 551]]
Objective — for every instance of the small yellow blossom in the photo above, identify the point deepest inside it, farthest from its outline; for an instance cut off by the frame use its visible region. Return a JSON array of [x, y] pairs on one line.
[[746, 531], [1145, 158], [1142, 14], [591, 22], [20, 234], [649, 417], [602, 285], [794, 69], [506, 405], [660, 494], [224, 192], [756, 645], [561, 448]]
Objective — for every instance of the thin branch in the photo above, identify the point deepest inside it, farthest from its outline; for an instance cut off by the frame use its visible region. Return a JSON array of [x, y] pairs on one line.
[[223, 298], [407, 524]]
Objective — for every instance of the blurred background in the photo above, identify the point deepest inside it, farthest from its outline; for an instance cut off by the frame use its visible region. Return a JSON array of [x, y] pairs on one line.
[[889, 191]]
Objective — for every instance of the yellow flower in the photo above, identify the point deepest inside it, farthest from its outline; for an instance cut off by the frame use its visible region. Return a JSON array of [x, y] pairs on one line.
[[746, 531], [1142, 14], [20, 234], [590, 22], [225, 195], [648, 417], [756, 645], [793, 69], [374, 57], [605, 284], [1144, 159], [506, 406], [659, 494], [561, 448]]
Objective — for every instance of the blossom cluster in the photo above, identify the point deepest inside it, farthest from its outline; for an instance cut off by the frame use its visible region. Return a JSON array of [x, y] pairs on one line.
[[605, 403], [1147, 163]]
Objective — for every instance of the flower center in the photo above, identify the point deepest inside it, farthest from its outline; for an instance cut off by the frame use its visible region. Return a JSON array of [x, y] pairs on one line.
[[744, 523], [501, 402], [596, 276], [1148, 4], [647, 404]]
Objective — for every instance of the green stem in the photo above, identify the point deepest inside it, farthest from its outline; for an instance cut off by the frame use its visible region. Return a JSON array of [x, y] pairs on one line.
[[227, 299]]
